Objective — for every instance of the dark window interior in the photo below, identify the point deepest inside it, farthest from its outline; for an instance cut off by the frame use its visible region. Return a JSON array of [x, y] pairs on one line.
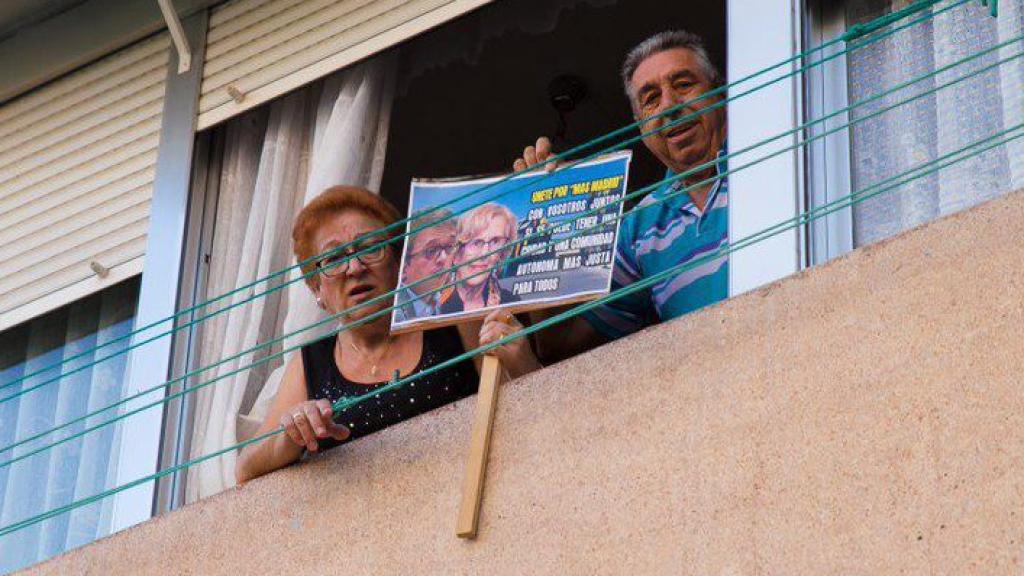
[[472, 93]]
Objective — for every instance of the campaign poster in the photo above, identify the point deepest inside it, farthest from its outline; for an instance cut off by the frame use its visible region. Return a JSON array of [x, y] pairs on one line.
[[532, 241]]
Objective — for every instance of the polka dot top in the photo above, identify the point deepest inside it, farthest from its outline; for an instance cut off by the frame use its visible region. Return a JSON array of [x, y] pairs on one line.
[[324, 380]]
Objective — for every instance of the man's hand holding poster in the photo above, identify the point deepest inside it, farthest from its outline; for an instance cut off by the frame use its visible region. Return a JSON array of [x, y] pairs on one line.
[[533, 241]]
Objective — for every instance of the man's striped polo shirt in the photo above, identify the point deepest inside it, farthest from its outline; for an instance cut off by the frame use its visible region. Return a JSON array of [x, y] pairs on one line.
[[661, 232]]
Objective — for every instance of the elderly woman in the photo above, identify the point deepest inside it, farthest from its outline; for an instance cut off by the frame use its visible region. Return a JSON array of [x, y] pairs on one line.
[[484, 240], [361, 359]]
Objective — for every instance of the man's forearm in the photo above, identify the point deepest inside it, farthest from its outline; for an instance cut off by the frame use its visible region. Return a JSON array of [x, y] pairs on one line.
[[565, 339]]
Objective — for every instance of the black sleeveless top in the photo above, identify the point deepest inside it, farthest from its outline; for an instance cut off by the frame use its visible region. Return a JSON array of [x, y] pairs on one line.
[[324, 380]]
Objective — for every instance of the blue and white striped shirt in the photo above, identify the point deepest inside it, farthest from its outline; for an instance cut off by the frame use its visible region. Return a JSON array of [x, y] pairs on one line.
[[656, 236]]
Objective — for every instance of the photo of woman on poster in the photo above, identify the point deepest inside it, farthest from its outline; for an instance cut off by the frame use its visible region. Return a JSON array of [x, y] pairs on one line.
[[482, 231]]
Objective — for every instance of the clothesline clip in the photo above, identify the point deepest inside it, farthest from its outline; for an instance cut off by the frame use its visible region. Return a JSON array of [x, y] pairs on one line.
[[993, 6], [857, 30]]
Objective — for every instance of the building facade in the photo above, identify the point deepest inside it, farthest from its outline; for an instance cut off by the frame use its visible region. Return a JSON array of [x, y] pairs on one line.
[[133, 190]]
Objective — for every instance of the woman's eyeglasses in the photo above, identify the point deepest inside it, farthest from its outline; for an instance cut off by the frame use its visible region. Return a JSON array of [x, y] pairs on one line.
[[337, 264], [479, 245]]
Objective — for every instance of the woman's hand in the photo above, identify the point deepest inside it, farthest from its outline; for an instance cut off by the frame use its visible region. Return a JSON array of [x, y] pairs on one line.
[[309, 421], [516, 356]]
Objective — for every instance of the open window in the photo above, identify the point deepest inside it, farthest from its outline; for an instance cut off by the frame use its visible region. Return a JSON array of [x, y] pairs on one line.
[[471, 95], [464, 98]]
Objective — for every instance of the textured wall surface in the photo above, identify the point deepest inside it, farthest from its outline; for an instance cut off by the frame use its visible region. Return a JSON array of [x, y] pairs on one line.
[[865, 417]]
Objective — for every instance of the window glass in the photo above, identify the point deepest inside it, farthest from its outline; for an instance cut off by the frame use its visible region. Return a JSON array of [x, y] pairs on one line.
[[924, 130], [81, 467]]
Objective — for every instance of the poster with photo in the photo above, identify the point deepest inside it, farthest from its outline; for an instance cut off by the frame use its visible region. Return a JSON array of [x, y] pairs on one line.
[[533, 241]]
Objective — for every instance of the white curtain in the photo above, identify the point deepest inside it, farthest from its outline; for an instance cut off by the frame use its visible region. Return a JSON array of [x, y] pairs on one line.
[[939, 124], [334, 132], [79, 468]]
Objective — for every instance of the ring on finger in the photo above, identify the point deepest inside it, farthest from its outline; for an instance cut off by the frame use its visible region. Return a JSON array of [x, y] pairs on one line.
[[298, 415]]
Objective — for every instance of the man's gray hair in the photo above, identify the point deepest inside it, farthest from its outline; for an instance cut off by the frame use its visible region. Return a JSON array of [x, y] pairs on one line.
[[441, 218], [669, 40]]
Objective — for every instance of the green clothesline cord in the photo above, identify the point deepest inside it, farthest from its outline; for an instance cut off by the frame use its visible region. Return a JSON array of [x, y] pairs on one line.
[[134, 483], [499, 249], [387, 310], [194, 322], [926, 169], [761, 143], [858, 30], [553, 159], [801, 219]]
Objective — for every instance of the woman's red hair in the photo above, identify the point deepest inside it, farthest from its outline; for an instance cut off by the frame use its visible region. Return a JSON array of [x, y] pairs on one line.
[[329, 203]]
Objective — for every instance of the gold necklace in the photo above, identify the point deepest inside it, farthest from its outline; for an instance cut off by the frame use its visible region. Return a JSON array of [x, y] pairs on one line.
[[373, 367]]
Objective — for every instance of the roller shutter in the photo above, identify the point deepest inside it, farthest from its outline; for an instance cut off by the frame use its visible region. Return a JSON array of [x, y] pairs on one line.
[[260, 49], [77, 160]]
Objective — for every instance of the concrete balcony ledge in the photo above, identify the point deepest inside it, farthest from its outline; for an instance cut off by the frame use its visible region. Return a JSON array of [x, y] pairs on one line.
[[863, 417]]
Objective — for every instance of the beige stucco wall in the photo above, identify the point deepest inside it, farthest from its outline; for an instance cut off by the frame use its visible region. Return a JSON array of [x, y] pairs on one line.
[[865, 417]]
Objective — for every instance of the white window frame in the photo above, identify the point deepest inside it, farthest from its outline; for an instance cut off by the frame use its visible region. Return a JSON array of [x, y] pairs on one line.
[[762, 33], [151, 364]]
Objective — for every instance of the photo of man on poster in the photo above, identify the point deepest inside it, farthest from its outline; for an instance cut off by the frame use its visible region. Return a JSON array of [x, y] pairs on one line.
[[424, 287]]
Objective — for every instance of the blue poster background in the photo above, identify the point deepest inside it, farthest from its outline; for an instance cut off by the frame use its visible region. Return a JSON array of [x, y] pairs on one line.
[[568, 259]]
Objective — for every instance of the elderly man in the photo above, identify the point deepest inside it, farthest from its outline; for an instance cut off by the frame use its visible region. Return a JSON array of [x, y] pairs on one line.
[[668, 227], [430, 252]]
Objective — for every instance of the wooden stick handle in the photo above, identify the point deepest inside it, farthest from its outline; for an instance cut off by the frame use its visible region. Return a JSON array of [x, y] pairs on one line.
[[480, 443]]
